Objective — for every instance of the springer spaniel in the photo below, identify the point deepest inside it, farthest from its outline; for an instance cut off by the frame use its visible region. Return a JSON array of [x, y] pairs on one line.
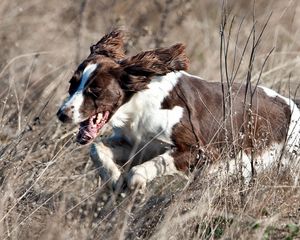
[[166, 121]]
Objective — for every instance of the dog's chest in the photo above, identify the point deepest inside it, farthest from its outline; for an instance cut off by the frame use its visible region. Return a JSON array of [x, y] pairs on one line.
[[143, 116], [150, 121]]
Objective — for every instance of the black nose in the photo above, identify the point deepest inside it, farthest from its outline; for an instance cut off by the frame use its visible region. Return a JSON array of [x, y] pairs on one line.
[[62, 116]]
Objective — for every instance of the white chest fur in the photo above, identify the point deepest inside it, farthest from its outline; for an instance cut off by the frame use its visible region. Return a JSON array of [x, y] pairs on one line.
[[143, 115]]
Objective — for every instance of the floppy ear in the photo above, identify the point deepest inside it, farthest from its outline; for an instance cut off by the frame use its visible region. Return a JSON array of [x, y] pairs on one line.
[[111, 45], [139, 68], [157, 62]]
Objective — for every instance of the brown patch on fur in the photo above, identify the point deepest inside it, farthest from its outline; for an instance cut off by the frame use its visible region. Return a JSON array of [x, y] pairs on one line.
[[111, 45], [157, 62], [144, 65], [103, 91], [202, 127]]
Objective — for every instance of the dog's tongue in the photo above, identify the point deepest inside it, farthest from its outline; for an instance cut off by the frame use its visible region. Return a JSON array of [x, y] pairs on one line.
[[90, 128]]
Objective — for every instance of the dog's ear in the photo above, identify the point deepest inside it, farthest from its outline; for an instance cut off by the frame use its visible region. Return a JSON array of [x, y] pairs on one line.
[[111, 45], [157, 62], [138, 69]]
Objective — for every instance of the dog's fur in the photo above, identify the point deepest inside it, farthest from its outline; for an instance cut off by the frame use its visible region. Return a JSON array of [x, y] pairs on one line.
[[167, 121]]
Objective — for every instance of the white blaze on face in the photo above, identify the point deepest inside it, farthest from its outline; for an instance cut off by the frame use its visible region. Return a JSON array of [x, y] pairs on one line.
[[76, 100]]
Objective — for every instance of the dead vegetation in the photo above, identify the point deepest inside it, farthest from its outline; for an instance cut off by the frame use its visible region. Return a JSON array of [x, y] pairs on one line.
[[49, 187]]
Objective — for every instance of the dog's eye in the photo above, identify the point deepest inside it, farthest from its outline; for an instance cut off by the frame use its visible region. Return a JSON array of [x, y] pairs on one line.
[[94, 92]]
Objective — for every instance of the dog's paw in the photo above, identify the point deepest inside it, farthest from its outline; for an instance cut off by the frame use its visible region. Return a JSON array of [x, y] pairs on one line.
[[136, 180]]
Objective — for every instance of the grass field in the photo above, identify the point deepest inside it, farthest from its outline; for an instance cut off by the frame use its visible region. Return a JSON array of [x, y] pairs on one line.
[[50, 189]]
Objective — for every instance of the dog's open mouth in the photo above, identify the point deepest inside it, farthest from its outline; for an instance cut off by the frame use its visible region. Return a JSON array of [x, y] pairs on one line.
[[90, 128]]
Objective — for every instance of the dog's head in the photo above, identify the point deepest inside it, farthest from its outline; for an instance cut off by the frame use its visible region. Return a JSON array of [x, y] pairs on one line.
[[106, 79]]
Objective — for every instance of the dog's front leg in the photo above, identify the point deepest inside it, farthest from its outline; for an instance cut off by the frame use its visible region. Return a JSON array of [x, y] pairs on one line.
[[161, 165], [105, 154], [103, 158]]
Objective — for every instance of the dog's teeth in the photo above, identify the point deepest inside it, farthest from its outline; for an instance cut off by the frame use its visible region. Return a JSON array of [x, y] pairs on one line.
[[99, 117]]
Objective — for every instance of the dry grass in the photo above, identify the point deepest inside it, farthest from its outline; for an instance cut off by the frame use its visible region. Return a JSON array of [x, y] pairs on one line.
[[49, 187]]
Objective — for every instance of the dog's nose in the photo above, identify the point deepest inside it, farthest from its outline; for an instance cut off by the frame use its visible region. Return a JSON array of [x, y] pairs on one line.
[[63, 116]]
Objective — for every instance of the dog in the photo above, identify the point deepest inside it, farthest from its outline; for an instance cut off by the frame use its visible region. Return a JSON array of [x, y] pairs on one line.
[[166, 121]]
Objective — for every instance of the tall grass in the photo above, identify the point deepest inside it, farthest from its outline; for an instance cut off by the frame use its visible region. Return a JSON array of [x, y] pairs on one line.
[[49, 187]]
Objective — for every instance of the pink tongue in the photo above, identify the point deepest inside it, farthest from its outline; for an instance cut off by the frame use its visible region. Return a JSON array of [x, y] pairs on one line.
[[89, 130]]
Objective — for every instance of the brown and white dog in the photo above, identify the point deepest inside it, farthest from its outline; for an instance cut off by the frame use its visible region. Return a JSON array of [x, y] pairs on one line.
[[166, 121]]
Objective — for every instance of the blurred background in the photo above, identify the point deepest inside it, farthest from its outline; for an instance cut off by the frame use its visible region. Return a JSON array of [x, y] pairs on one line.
[[49, 188]]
